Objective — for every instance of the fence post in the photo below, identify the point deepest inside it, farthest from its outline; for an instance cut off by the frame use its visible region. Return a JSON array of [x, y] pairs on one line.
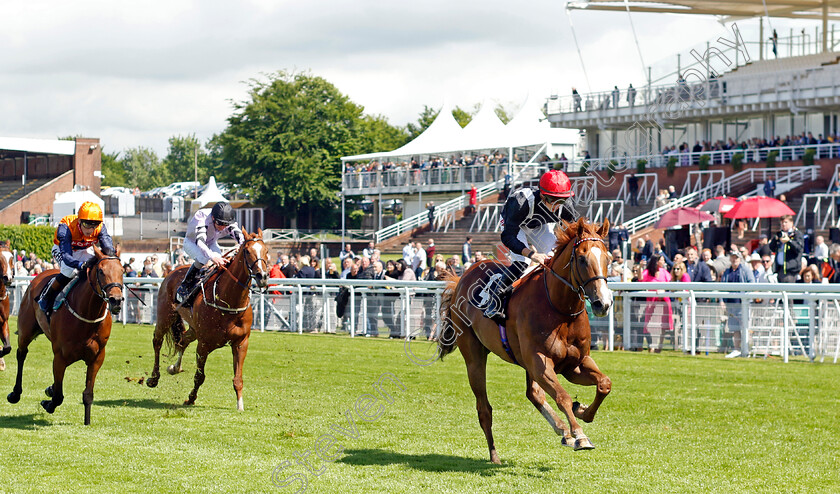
[[262, 312], [745, 322], [627, 344], [352, 311], [812, 313], [785, 327], [299, 309], [611, 329], [407, 307], [693, 328]]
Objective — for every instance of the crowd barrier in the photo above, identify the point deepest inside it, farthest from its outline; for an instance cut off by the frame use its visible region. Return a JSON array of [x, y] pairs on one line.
[[756, 320]]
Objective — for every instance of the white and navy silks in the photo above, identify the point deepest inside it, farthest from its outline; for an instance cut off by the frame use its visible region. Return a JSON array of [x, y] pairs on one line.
[[70, 255], [526, 221], [202, 236]]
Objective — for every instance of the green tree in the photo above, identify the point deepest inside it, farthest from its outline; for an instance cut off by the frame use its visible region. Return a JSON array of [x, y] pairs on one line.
[[504, 113], [426, 117], [286, 140], [143, 168], [462, 116], [376, 134], [112, 169], [179, 164]]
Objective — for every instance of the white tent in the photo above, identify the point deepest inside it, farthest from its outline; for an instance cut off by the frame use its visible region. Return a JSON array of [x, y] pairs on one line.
[[70, 202], [443, 134], [208, 198], [485, 131]]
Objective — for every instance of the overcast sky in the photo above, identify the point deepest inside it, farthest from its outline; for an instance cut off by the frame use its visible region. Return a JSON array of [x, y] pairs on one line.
[[136, 73]]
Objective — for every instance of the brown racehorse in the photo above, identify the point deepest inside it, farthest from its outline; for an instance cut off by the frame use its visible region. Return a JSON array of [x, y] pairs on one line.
[[547, 329], [4, 309], [221, 313], [78, 330]]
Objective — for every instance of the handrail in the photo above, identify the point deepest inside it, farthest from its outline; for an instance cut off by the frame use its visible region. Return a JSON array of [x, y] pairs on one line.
[[612, 210], [452, 205], [725, 186], [823, 219], [486, 216], [647, 191], [717, 157]]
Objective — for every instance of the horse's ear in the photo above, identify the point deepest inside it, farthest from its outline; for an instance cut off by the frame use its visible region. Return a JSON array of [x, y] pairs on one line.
[[605, 228], [259, 232], [117, 251], [97, 251], [581, 222], [246, 234]]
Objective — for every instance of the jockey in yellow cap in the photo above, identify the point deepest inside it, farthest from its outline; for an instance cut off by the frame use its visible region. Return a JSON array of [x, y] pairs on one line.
[[73, 247]]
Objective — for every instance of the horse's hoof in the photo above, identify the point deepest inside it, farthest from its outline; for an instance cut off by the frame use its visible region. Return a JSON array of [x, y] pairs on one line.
[[5, 351], [48, 406], [13, 397], [583, 443], [152, 382], [568, 441], [172, 370], [2, 364], [494, 458], [49, 391], [189, 402]]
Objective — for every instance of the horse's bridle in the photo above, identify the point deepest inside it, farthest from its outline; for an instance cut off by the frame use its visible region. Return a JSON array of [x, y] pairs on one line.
[[102, 291], [580, 288], [248, 265]]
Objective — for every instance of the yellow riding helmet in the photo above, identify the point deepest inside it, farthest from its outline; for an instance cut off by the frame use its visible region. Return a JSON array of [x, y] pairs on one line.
[[90, 211]]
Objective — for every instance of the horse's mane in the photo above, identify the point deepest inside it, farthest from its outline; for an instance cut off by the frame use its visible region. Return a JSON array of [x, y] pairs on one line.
[[567, 231]]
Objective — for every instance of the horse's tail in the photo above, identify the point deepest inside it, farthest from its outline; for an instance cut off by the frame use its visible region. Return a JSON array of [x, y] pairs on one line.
[[448, 334]]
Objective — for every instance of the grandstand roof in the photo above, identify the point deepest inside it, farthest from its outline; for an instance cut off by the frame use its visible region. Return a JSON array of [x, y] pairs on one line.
[[729, 9], [43, 146]]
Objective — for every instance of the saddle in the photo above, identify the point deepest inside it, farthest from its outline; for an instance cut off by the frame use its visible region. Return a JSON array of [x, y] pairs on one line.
[[62, 295], [483, 293]]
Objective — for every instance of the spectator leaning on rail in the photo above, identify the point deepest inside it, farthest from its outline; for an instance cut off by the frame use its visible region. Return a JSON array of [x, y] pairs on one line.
[[204, 229], [73, 248], [788, 245], [528, 216]]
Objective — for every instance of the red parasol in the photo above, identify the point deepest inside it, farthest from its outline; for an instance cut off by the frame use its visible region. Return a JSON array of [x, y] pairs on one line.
[[720, 204], [683, 216], [759, 207]]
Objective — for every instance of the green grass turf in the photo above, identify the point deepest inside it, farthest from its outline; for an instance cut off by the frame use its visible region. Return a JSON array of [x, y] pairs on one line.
[[673, 423]]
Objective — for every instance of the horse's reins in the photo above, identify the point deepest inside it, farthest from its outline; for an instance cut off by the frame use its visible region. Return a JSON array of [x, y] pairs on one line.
[[103, 294], [580, 289], [224, 270]]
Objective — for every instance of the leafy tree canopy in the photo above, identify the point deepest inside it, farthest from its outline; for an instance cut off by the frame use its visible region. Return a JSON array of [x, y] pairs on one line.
[[286, 139], [112, 169], [143, 168], [180, 162]]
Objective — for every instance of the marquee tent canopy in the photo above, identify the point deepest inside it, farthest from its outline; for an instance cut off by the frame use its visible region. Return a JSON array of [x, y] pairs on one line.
[[484, 132]]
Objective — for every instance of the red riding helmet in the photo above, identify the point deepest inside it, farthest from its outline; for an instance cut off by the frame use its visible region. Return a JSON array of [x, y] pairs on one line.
[[555, 183]]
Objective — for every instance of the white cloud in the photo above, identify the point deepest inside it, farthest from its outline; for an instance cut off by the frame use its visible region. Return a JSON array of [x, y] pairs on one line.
[[135, 74]]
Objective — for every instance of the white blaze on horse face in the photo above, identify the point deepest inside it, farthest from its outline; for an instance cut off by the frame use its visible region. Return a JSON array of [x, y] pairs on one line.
[[604, 293]]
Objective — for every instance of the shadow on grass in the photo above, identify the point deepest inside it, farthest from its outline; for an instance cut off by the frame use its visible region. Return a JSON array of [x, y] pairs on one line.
[[426, 462], [24, 422], [147, 403]]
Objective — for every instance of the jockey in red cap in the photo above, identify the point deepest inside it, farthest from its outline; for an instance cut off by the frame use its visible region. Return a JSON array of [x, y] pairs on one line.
[[528, 218]]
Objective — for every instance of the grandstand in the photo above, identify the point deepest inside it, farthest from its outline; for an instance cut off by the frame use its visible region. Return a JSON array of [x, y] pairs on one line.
[[32, 171]]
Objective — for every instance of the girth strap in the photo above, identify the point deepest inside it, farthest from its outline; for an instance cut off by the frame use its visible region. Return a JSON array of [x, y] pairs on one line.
[[506, 343]]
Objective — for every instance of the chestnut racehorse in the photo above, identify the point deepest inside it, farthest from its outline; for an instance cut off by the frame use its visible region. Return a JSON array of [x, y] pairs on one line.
[[547, 330], [221, 313], [78, 330], [4, 309]]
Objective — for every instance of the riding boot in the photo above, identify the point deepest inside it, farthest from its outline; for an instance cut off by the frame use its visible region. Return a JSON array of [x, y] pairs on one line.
[[497, 309], [187, 285], [47, 300]]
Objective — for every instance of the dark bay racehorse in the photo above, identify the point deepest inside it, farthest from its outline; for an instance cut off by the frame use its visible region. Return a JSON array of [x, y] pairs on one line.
[[547, 330], [7, 274], [78, 330], [221, 313]]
